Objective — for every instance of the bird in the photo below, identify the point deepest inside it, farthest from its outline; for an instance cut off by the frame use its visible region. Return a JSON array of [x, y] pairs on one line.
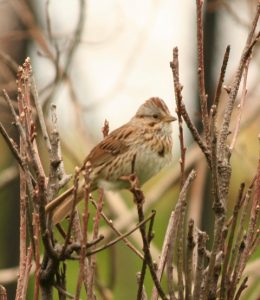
[[146, 139]]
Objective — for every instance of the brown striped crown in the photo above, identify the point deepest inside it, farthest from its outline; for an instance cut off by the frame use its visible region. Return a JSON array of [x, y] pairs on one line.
[[151, 107]]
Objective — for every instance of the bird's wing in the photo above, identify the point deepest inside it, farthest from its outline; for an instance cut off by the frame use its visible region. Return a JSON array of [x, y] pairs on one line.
[[116, 143]]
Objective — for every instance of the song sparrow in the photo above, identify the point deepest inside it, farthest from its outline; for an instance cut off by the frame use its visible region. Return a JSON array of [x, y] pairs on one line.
[[146, 139]]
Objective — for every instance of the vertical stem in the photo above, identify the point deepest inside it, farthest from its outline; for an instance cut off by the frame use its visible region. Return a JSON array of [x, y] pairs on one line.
[[189, 261], [201, 72], [225, 278], [224, 132], [36, 237], [92, 258], [140, 291], [180, 250], [178, 99], [221, 77], [202, 237]]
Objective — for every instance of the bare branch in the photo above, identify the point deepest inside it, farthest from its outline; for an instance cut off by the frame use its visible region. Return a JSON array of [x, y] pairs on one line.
[[189, 261], [182, 109], [178, 98], [235, 85], [139, 200], [221, 77], [241, 106], [201, 72], [202, 238]]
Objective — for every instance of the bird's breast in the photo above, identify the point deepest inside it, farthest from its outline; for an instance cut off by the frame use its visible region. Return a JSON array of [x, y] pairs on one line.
[[145, 158], [152, 157]]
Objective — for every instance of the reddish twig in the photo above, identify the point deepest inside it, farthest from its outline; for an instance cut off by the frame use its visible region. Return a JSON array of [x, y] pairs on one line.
[[26, 275], [36, 236], [120, 235], [23, 233], [75, 196]]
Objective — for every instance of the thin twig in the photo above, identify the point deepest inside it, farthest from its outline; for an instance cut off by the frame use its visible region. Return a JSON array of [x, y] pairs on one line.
[[217, 243], [46, 236], [28, 132], [139, 200], [65, 293], [40, 114], [219, 202], [12, 146], [36, 237], [182, 109], [241, 106], [180, 243], [26, 275], [235, 279], [57, 175], [84, 240], [75, 195], [239, 235], [235, 85], [92, 259], [122, 236], [178, 217], [140, 291], [225, 278], [126, 241], [202, 238], [201, 72], [189, 261], [16, 118], [23, 232], [221, 77], [178, 98], [62, 73], [241, 288], [169, 236], [253, 221]]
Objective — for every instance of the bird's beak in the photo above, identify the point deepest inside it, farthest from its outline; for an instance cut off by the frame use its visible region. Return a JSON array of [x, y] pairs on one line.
[[169, 119]]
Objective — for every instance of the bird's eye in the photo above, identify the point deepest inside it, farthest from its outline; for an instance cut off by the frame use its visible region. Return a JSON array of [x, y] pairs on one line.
[[155, 116]]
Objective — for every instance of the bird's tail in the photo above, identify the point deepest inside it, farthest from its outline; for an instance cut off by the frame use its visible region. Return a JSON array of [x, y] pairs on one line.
[[60, 207]]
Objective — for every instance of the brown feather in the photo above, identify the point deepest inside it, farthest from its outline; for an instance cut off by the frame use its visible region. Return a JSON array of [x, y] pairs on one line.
[[111, 146]]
